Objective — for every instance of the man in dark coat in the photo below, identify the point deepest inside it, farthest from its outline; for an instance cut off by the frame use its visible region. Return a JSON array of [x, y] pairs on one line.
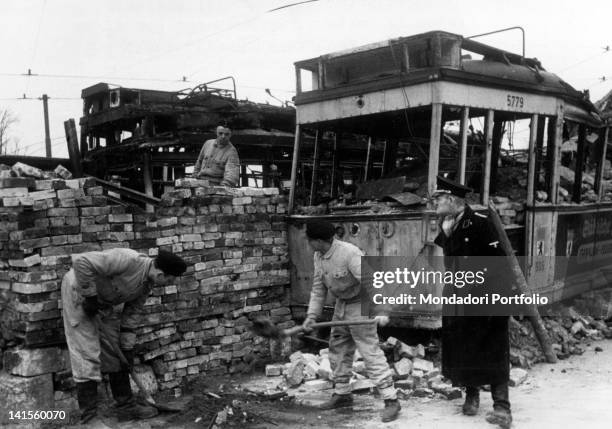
[[475, 349]]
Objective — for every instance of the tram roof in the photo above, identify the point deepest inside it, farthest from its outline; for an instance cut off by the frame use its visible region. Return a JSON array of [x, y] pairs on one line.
[[434, 56]]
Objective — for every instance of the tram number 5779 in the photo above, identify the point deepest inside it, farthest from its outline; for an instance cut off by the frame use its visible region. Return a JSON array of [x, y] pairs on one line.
[[515, 101]]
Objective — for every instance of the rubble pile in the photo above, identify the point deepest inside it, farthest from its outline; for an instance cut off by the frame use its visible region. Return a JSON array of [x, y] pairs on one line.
[[570, 328], [234, 242], [415, 374]]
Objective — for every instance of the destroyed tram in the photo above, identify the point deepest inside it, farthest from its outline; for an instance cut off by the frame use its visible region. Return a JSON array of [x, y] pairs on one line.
[[387, 118]]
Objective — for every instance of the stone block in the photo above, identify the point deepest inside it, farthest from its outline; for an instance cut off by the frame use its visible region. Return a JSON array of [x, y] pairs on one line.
[[13, 192], [311, 370], [295, 373], [273, 370], [324, 371], [403, 367], [31, 362], [422, 392], [25, 393], [318, 385], [517, 376], [63, 172], [422, 365], [408, 383]]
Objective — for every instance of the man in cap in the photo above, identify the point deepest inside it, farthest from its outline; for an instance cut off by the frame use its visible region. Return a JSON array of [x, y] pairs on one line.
[[102, 296], [337, 268], [475, 350], [218, 161]]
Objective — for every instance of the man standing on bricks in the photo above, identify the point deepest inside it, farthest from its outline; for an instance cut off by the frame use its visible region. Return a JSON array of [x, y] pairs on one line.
[[475, 349], [337, 268], [109, 288]]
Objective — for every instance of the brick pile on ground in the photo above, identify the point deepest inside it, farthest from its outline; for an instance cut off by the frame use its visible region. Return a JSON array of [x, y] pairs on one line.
[[570, 326], [414, 372]]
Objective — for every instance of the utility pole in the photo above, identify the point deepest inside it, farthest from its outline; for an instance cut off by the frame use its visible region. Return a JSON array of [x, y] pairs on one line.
[[47, 136]]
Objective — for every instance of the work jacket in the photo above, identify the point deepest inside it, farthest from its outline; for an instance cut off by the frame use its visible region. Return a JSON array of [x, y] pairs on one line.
[[220, 165], [339, 271], [115, 276]]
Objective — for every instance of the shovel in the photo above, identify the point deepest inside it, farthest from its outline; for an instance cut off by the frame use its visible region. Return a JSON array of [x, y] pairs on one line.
[[265, 328], [147, 396]]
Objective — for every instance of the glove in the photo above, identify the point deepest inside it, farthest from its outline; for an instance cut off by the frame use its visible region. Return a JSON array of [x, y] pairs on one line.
[[90, 306], [129, 357], [307, 325], [381, 320]]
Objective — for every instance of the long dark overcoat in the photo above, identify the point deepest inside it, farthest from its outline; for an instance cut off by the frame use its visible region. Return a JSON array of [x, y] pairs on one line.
[[475, 349]]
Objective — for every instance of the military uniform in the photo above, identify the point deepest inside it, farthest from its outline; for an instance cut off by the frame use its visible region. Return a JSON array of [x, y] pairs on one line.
[[475, 350], [219, 165], [339, 271]]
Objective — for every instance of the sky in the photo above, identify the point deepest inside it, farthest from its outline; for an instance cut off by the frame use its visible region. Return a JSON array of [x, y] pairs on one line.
[[69, 45]]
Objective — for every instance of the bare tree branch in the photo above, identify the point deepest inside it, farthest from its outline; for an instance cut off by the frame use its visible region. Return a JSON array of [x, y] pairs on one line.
[[7, 120]]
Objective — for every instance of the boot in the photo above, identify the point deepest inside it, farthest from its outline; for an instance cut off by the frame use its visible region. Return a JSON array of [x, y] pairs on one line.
[[391, 410], [472, 401], [501, 414], [337, 401], [87, 397], [127, 406]]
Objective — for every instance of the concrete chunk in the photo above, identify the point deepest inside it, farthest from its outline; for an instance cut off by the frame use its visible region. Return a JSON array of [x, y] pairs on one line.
[[517, 376], [295, 373], [274, 369], [324, 371], [318, 385], [403, 367], [422, 365]]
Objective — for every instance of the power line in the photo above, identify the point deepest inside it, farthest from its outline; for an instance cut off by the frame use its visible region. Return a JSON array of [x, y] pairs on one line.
[[24, 98], [66, 76], [69, 76], [292, 4], [606, 49]]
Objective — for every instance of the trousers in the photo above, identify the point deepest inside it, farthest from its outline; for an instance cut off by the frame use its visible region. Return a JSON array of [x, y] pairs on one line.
[[89, 348], [343, 342]]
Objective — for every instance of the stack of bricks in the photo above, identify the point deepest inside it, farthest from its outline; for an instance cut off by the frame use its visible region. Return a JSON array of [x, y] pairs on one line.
[[235, 244], [43, 222]]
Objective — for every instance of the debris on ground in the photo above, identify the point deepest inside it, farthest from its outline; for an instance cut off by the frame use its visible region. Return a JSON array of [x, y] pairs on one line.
[[570, 325]]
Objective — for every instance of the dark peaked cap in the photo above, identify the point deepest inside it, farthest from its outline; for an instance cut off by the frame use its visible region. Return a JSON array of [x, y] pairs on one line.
[[170, 264], [447, 186], [320, 230]]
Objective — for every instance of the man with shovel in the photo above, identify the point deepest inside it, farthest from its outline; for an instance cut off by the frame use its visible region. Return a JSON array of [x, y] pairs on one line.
[[102, 296], [337, 268]]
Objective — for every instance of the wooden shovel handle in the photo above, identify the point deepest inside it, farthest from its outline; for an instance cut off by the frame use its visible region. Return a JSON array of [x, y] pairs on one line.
[[299, 328]]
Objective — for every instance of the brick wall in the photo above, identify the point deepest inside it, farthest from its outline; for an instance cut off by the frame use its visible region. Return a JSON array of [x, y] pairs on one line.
[[234, 241]]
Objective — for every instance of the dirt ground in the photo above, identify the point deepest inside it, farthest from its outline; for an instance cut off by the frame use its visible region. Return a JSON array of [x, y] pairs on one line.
[[574, 392]]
